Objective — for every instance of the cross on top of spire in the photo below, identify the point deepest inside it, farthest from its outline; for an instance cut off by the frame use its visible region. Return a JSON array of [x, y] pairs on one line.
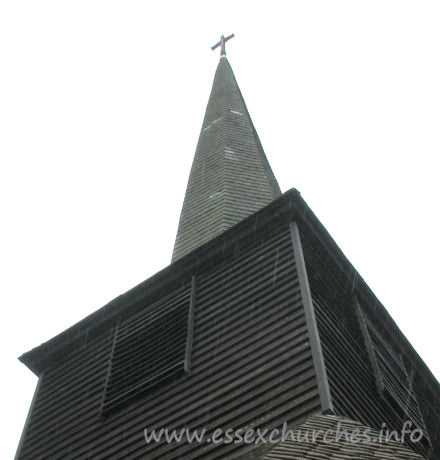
[[221, 43]]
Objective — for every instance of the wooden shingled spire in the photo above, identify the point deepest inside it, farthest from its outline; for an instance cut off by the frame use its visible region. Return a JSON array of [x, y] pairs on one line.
[[230, 177]]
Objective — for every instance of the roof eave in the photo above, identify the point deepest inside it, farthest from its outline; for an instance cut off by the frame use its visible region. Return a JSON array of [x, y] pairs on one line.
[[39, 357]]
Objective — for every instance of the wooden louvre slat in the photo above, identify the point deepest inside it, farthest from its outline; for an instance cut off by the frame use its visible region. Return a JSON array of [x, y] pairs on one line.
[[148, 349], [395, 378]]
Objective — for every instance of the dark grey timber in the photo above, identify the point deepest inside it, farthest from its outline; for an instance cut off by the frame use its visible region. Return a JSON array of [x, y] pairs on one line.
[[28, 417], [251, 358], [251, 364], [315, 343], [190, 336]]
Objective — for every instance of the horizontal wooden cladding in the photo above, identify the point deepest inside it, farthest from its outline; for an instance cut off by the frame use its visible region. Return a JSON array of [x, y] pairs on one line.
[[237, 367], [271, 394], [282, 407], [184, 405], [251, 366], [246, 257], [285, 314], [352, 381], [79, 390], [341, 449]]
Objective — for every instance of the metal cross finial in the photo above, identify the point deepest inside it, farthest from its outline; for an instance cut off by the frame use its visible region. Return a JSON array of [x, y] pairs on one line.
[[221, 43]]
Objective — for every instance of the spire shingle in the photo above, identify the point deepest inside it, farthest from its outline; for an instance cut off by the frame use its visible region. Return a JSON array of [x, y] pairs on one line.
[[230, 177]]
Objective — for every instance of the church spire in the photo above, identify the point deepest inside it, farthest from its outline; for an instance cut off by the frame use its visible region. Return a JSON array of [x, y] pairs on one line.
[[230, 177]]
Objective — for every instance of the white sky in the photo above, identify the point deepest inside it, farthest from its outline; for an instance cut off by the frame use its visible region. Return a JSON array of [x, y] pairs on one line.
[[101, 103]]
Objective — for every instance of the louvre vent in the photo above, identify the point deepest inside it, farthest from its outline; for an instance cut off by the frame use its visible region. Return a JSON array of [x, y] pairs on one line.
[[393, 380], [149, 349]]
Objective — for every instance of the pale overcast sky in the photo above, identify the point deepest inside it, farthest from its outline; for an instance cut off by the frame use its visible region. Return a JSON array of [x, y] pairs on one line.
[[101, 103]]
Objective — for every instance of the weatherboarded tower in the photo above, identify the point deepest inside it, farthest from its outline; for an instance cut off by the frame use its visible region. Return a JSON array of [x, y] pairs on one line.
[[259, 325]]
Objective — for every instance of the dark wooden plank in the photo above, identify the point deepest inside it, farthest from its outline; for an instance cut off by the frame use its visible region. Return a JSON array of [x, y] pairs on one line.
[[315, 342], [190, 334]]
